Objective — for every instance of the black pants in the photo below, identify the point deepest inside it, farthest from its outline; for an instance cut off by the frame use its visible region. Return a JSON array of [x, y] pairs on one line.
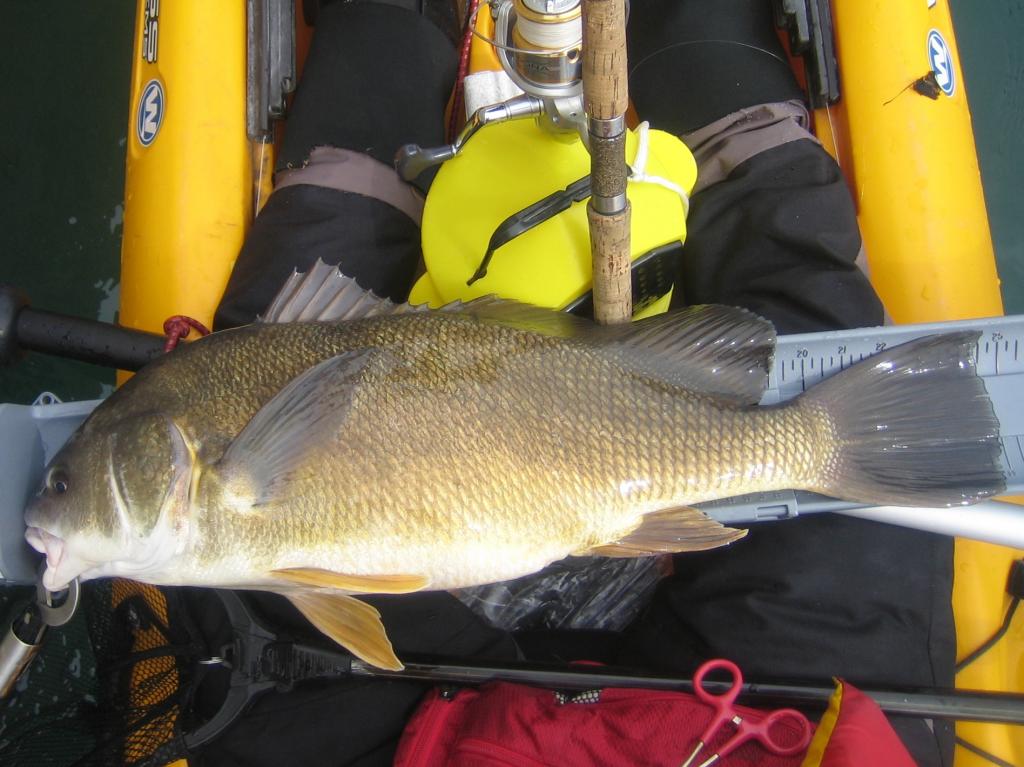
[[810, 598]]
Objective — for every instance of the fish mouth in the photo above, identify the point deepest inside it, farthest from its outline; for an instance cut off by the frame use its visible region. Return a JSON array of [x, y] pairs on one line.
[[61, 568]]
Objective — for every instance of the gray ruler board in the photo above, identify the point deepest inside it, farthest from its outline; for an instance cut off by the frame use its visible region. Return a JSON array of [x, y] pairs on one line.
[[806, 359]]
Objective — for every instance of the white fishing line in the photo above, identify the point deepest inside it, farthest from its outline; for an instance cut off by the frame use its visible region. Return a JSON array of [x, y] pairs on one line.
[[552, 37], [638, 168]]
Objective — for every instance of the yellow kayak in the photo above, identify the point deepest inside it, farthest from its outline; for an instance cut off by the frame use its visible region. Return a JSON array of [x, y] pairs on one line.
[[194, 180]]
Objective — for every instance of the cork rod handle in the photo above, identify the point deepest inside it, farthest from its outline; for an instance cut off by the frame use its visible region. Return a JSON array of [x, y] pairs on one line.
[[606, 98], [605, 84]]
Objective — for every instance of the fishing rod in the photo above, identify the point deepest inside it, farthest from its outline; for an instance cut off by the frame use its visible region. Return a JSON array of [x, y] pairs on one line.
[[927, 703], [259, 660], [606, 99]]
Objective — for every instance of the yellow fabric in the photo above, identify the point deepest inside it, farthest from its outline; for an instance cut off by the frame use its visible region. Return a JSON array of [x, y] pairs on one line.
[[482, 56], [153, 680], [827, 725]]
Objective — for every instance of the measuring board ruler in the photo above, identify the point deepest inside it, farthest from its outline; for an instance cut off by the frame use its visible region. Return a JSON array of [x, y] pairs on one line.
[[803, 360]]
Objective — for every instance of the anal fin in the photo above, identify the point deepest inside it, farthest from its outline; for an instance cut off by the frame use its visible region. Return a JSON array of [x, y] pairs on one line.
[[669, 531], [353, 624], [362, 584]]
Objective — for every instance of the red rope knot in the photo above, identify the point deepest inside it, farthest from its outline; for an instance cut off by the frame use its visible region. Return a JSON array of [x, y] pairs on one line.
[[178, 327]]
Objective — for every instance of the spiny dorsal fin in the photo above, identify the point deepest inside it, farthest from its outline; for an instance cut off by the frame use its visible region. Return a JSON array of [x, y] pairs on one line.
[[353, 624], [324, 294], [669, 531], [719, 350]]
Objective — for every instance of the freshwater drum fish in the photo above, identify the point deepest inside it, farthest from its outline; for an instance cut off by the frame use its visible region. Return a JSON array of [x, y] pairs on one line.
[[385, 450]]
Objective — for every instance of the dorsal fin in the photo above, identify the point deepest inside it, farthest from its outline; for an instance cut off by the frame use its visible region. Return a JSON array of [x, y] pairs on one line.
[[325, 294], [724, 351], [720, 350]]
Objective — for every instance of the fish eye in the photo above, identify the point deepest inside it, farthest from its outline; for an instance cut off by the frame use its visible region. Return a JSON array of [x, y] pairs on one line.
[[58, 482]]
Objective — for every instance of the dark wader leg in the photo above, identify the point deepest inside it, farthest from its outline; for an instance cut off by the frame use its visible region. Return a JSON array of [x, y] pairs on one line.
[[378, 76], [772, 228]]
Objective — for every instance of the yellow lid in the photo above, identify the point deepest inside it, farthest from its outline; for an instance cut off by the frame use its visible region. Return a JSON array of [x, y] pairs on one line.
[[510, 166]]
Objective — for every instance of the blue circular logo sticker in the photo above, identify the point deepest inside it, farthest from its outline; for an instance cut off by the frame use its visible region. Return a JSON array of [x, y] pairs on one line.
[[941, 59], [151, 112]]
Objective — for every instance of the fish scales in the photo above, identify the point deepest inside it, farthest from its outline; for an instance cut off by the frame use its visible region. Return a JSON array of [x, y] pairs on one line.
[[447, 449], [474, 462]]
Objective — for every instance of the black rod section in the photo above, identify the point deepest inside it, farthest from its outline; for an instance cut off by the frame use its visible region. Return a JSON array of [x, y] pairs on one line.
[[962, 705], [23, 328], [100, 343]]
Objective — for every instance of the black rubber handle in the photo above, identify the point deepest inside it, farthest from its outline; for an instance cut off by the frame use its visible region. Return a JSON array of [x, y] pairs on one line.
[[23, 328]]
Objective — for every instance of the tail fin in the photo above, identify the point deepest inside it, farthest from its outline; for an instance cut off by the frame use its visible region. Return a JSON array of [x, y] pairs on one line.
[[914, 426]]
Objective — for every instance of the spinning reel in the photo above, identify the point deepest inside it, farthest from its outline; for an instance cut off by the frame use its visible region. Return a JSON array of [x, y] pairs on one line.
[[539, 44]]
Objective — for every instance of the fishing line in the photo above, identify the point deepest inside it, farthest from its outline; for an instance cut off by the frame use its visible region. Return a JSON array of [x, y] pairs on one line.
[[260, 162], [835, 138], [633, 67], [565, 36], [552, 53]]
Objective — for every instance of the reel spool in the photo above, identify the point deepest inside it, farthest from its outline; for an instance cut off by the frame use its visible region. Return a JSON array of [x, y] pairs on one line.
[[539, 44]]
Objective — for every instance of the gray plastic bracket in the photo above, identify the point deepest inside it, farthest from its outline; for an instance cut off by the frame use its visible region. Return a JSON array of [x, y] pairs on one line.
[[30, 435]]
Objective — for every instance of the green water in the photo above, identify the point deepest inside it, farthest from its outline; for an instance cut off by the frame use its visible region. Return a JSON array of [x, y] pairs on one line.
[[990, 34], [66, 67]]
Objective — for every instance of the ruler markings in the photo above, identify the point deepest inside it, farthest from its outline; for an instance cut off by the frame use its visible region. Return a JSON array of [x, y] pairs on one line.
[[999, 341]]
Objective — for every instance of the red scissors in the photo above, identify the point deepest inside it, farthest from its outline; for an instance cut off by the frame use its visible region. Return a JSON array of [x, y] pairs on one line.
[[765, 731]]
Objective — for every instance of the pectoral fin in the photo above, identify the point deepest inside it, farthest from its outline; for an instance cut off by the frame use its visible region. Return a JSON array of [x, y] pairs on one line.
[[304, 416], [669, 531], [354, 625], [363, 584]]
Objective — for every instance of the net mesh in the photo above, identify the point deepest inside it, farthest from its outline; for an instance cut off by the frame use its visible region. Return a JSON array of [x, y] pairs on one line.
[[107, 689]]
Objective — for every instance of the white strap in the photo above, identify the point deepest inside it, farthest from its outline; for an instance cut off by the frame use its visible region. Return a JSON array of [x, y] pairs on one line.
[[639, 166]]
